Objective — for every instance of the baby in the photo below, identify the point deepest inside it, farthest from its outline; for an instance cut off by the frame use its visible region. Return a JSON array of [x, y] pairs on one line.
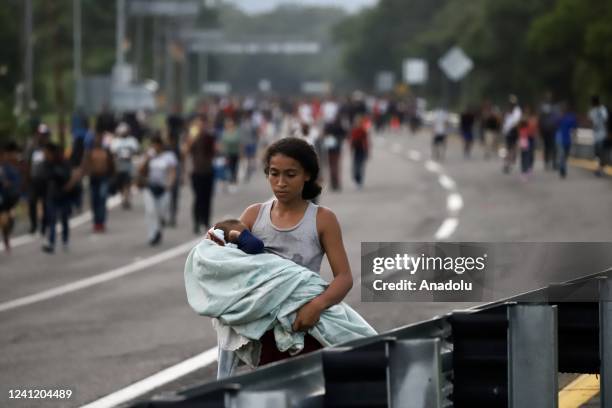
[[233, 231]]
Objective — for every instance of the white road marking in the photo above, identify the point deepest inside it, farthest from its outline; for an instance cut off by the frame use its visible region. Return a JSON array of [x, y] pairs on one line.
[[433, 166], [447, 228], [447, 182], [454, 203], [414, 155], [156, 380], [81, 219], [100, 278]]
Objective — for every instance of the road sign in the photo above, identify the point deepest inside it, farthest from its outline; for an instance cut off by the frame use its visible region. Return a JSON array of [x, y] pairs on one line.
[[264, 85], [455, 64], [255, 47], [415, 71], [385, 80], [315, 87], [216, 88], [132, 98], [166, 8]]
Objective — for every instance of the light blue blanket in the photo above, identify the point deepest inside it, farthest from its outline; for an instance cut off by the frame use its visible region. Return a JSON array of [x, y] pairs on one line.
[[255, 293]]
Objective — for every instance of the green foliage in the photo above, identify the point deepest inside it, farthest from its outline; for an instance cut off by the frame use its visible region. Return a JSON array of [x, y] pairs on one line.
[[376, 39], [521, 47], [578, 33], [11, 70]]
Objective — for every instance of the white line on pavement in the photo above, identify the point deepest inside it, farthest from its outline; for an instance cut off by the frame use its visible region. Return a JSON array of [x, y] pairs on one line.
[[447, 228], [156, 380], [414, 155], [454, 203], [447, 182], [74, 222], [433, 166], [97, 279]]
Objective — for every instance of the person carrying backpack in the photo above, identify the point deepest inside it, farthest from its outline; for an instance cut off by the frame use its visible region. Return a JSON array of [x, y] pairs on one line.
[[58, 201]]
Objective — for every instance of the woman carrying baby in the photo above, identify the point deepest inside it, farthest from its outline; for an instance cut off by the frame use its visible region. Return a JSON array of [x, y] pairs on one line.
[[292, 226]]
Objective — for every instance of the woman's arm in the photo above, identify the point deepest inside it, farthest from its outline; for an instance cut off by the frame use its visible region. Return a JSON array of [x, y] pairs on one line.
[[249, 216], [330, 236]]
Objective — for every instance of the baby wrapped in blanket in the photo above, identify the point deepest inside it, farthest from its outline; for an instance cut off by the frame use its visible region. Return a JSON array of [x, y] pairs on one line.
[[248, 294]]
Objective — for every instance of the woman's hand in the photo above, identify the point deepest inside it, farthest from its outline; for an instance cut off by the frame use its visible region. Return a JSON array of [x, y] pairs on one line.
[[307, 316]]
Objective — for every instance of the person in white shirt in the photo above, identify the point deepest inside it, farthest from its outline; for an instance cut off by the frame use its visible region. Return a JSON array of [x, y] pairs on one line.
[[440, 131], [510, 132], [159, 171], [305, 113], [330, 111], [598, 115], [124, 147]]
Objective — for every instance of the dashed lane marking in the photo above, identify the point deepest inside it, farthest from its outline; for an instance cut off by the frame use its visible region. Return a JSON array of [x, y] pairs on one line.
[[447, 228], [447, 182], [454, 203]]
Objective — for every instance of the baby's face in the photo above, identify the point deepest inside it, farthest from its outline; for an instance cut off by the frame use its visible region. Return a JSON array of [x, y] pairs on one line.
[[232, 230]]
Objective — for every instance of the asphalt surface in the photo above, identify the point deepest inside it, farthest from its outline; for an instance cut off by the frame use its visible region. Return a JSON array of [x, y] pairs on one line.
[[102, 338]]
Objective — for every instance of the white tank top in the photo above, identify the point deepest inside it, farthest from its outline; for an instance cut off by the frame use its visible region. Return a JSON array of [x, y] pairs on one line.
[[299, 243]]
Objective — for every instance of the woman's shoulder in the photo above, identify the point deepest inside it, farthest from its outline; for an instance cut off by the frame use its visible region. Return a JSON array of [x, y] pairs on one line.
[[249, 215], [325, 218]]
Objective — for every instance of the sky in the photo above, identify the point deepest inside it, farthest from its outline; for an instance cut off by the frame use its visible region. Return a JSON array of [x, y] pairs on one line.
[[258, 6]]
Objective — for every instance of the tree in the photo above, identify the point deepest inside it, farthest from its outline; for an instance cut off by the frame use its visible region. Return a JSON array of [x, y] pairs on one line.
[[376, 38], [11, 67], [573, 44]]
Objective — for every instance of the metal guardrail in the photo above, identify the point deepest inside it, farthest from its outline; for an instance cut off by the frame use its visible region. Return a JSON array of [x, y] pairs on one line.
[[503, 354]]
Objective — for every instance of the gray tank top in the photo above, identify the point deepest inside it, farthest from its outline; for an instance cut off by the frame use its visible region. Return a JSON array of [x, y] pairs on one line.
[[299, 243]]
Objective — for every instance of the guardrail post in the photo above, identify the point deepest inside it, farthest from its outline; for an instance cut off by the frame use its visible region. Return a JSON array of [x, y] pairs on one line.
[[261, 399], [532, 356], [414, 378], [605, 340]]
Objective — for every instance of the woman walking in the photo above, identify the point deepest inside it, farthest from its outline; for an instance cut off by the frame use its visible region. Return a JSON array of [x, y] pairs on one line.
[[292, 226], [159, 171]]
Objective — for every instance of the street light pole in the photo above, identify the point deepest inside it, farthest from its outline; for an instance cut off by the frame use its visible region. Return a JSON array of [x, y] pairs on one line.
[[78, 75], [28, 55], [119, 57]]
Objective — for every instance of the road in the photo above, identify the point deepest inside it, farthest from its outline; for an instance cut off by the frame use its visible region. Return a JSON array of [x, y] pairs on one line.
[[133, 322]]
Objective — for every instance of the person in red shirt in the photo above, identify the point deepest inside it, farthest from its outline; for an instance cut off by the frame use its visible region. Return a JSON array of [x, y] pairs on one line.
[[360, 147], [528, 128]]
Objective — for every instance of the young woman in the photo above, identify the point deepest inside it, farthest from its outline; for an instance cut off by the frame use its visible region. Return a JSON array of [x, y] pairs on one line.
[[291, 226], [159, 170]]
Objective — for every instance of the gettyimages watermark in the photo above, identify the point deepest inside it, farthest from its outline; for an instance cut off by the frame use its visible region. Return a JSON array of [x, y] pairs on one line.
[[479, 271]]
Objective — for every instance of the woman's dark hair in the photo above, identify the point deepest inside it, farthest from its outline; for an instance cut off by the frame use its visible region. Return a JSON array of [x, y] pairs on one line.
[[157, 138], [304, 153]]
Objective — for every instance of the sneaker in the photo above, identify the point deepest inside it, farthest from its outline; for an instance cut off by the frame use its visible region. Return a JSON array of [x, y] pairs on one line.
[[47, 248], [99, 228], [156, 239]]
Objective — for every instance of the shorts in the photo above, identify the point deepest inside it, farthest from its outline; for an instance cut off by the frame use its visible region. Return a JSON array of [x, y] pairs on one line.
[[511, 139], [439, 139], [123, 179]]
